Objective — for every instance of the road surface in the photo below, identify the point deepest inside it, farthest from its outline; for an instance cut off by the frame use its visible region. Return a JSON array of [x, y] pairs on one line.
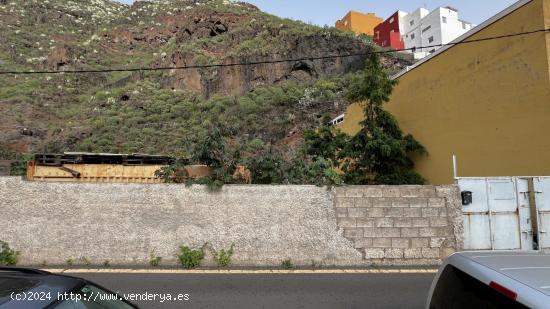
[[272, 290]]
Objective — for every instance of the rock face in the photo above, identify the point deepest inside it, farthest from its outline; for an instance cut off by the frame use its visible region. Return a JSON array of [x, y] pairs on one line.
[[240, 79], [205, 35], [88, 111]]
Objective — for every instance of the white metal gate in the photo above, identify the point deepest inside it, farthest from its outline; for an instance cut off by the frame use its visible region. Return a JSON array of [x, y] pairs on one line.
[[499, 216], [542, 200]]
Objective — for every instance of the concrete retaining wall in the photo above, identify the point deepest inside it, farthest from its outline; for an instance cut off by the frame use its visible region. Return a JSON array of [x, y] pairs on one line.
[[124, 223]]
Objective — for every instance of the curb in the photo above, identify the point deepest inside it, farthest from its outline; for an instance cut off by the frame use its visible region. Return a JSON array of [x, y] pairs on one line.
[[247, 272]]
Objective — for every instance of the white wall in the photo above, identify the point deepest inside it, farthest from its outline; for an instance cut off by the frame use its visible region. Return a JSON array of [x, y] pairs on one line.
[[439, 26], [402, 16], [454, 27]]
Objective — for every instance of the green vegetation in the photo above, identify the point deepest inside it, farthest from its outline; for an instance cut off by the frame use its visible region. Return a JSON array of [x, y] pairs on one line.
[[287, 264], [70, 262], [190, 258], [267, 164], [8, 256], [154, 260], [378, 154], [271, 167], [19, 167], [223, 257], [174, 173], [325, 142], [156, 120], [259, 45], [213, 151]]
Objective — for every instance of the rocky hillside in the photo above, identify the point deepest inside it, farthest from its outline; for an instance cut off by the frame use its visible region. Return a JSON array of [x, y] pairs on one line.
[[164, 111]]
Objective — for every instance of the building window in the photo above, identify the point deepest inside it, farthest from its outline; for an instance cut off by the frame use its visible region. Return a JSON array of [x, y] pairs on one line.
[[432, 51], [338, 119], [412, 36], [426, 29], [412, 22], [444, 19], [430, 39], [391, 20], [378, 34]]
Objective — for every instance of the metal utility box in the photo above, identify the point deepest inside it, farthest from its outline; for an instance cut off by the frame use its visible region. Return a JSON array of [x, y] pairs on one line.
[[466, 197]]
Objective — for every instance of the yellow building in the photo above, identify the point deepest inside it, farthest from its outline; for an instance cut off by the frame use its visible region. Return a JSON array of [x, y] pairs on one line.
[[486, 102], [359, 23]]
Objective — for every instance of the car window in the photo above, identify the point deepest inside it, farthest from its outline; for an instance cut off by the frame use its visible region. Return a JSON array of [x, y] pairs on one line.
[[455, 289], [92, 297]]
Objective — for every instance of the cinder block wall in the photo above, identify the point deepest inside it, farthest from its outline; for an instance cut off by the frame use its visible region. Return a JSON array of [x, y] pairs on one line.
[[408, 225], [126, 223]]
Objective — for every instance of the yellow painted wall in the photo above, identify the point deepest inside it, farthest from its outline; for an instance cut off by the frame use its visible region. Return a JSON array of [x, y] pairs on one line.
[[487, 102], [359, 23], [546, 6], [354, 115]]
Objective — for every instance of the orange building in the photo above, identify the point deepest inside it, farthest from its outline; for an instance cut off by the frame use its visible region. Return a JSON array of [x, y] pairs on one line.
[[359, 23]]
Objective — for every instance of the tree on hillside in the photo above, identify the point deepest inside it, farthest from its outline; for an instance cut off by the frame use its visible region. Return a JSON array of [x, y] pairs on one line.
[[379, 153], [325, 142], [267, 165], [211, 149], [214, 151]]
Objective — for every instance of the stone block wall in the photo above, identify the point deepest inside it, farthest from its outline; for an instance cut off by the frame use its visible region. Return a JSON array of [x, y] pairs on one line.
[[407, 225], [126, 223]]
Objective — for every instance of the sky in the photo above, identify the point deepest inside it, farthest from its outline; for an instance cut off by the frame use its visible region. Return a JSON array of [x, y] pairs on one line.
[[327, 12]]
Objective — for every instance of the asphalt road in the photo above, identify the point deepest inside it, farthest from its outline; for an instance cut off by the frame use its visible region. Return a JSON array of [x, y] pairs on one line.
[[274, 290]]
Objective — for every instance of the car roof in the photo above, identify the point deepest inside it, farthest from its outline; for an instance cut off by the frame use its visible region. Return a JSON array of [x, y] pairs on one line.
[[531, 268], [27, 280]]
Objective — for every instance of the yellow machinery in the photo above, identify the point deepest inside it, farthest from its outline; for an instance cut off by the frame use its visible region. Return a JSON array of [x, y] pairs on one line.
[[101, 167]]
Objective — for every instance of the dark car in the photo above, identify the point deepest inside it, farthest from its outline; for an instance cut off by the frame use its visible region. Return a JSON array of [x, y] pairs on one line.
[[30, 288]]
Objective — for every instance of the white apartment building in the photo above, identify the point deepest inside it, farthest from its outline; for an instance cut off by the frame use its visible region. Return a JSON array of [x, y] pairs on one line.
[[424, 28]]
